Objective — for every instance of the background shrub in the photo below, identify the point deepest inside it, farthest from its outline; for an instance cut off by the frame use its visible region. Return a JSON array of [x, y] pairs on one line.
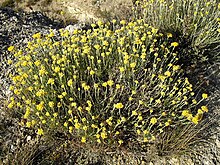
[[195, 23]]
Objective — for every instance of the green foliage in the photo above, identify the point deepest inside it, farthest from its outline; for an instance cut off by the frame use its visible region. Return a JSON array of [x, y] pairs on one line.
[[104, 87], [197, 22]]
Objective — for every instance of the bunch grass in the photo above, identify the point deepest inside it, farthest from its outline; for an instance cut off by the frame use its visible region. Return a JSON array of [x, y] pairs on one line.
[[195, 22]]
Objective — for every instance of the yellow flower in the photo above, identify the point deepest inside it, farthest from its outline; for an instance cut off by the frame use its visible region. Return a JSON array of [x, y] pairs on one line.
[[97, 136], [83, 119], [93, 25], [37, 35], [88, 109], [110, 82], [92, 72], [42, 71], [43, 121], [145, 139], [37, 63], [204, 108], [47, 114], [103, 135], [104, 84], [85, 128], [153, 120], [10, 48], [87, 87], [51, 104], [83, 140], [138, 132], [50, 81], [10, 61], [94, 126], [57, 69], [195, 120], [123, 119], [40, 131], [70, 82], [55, 114], [146, 132], [167, 73], [33, 122], [185, 113], [96, 85], [133, 92], [158, 101], [27, 113], [199, 111], [77, 125], [114, 21], [169, 35], [28, 124], [65, 124], [89, 103], [162, 78], [40, 93], [70, 129], [123, 22], [154, 31], [174, 44], [167, 124], [117, 86], [73, 104], [17, 91], [134, 113], [64, 93], [10, 105], [141, 102], [40, 106], [118, 105], [132, 65], [60, 96], [163, 113], [120, 142], [97, 47], [100, 23], [122, 69], [204, 96], [194, 101]]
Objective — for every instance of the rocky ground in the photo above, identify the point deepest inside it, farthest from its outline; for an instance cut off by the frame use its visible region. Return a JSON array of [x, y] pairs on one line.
[[16, 28]]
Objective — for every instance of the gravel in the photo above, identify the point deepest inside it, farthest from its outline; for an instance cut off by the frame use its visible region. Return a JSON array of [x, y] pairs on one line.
[[16, 28]]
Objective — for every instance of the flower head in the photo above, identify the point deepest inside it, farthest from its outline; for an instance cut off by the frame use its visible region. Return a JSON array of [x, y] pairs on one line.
[[10, 48], [174, 44], [118, 105], [153, 120]]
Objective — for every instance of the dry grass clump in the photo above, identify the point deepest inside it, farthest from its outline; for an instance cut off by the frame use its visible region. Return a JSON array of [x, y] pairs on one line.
[[196, 22]]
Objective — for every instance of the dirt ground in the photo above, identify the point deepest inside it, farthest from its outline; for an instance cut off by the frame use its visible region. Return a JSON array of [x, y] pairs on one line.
[[72, 11]]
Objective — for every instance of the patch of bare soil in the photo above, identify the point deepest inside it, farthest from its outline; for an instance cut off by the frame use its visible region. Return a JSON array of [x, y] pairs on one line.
[[71, 11]]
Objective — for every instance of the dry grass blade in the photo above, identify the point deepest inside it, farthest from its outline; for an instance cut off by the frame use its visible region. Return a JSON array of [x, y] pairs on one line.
[[183, 139]]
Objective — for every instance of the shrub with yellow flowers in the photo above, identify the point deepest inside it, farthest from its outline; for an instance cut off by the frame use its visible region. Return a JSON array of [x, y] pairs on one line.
[[104, 86]]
